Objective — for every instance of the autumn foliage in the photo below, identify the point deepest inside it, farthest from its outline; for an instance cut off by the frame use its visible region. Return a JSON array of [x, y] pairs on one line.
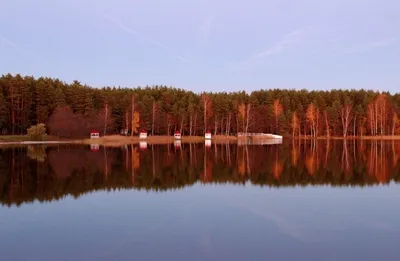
[[73, 109], [277, 109]]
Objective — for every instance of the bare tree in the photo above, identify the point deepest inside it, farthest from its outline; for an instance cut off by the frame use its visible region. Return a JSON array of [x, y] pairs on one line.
[[395, 122], [327, 126], [248, 117], [153, 117], [345, 115], [277, 110], [206, 100], [133, 114], [105, 118], [295, 123], [312, 118]]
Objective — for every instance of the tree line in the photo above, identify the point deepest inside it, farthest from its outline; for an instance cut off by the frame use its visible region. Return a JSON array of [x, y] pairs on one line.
[[74, 109]]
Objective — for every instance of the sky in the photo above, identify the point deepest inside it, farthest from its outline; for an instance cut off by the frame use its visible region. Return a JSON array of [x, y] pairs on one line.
[[204, 45]]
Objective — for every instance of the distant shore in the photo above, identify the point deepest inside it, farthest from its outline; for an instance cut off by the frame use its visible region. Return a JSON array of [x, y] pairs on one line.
[[24, 140], [111, 140], [119, 140], [384, 137]]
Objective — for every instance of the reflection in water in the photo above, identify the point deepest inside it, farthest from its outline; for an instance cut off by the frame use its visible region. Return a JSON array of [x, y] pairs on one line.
[[49, 173], [177, 144], [94, 147], [143, 145]]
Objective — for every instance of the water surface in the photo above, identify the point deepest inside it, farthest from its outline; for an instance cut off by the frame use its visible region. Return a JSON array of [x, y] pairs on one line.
[[294, 201]]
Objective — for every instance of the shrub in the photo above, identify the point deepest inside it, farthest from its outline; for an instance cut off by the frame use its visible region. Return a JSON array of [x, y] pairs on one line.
[[37, 132]]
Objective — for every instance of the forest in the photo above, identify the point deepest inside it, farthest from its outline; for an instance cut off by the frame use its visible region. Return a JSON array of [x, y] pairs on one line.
[[72, 110]]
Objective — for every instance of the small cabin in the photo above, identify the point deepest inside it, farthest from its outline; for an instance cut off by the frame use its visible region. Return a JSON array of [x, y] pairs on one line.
[[207, 136], [94, 135], [143, 134], [177, 135]]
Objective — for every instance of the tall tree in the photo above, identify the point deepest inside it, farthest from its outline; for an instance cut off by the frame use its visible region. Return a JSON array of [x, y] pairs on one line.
[[327, 125], [133, 120], [154, 112], [207, 109], [312, 118], [277, 110], [295, 124], [248, 117], [345, 116], [395, 122], [242, 115], [136, 122]]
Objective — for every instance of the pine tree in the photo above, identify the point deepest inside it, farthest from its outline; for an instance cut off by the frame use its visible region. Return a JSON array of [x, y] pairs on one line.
[[42, 103], [59, 98], [3, 111]]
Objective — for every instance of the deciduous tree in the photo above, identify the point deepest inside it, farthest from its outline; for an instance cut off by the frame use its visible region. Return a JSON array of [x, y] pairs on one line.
[[277, 111]]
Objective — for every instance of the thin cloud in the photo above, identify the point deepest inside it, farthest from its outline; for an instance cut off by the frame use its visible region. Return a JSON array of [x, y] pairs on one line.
[[386, 42], [148, 39], [205, 28], [17, 47], [7, 41], [288, 41]]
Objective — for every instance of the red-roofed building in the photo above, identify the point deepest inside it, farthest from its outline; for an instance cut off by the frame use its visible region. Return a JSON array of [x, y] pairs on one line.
[[177, 135], [207, 136], [94, 134], [142, 134]]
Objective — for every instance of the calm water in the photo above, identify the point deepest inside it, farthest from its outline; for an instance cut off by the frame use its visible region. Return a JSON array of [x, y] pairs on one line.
[[295, 201]]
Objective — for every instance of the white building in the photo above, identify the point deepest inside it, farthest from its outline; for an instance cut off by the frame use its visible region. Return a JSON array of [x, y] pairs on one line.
[[94, 135], [177, 135], [142, 135]]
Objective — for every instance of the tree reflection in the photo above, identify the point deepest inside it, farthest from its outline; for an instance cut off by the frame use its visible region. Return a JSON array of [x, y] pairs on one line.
[[37, 152], [277, 168], [312, 159], [345, 158], [50, 173], [379, 161]]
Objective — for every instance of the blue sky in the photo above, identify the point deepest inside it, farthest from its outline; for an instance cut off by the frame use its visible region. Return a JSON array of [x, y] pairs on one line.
[[207, 45]]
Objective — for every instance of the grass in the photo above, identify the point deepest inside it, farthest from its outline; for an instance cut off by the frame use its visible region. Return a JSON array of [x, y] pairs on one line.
[[7, 140], [13, 138], [16, 138]]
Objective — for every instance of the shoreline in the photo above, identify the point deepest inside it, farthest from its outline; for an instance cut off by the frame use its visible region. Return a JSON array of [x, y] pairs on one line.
[[118, 140], [39, 142], [384, 137]]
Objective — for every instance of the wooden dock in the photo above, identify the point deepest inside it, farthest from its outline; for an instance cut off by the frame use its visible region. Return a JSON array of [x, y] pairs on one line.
[[259, 138]]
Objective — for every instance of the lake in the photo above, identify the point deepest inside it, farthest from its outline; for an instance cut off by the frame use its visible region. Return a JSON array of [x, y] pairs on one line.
[[300, 200]]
